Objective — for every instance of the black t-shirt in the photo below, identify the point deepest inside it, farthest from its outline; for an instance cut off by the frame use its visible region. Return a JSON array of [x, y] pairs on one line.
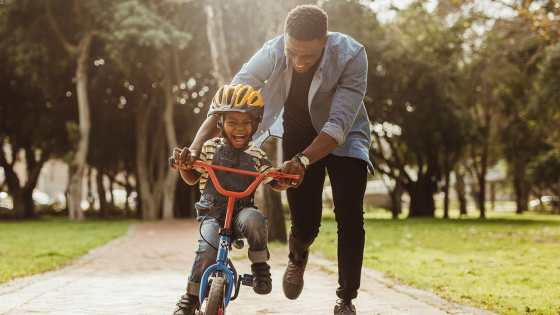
[[298, 128]]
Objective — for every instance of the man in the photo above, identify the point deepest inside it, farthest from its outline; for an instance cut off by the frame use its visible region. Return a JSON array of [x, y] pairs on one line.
[[318, 80]]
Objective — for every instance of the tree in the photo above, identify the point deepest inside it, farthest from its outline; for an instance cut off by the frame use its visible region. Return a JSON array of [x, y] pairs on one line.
[[270, 201], [217, 40], [157, 85], [33, 125], [502, 71], [112, 129], [546, 103], [418, 119], [34, 111], [87, 27]]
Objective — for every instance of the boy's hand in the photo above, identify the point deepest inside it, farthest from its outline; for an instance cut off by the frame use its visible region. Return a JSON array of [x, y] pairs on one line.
[[183, 157]]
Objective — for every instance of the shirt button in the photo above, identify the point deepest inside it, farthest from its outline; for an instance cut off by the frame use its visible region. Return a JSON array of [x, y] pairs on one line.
[[262, 131], [274, 117]]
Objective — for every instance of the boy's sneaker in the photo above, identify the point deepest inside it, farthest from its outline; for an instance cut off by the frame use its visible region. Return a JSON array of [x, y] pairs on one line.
[[344, 307], [187, 305], [262, 283]]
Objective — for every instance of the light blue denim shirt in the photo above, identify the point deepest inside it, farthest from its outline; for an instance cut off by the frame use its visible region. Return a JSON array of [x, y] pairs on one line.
[[335, 97]]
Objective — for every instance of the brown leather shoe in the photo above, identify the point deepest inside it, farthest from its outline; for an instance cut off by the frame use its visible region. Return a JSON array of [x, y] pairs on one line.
[[292, 282], [187, 305], [344, 307]]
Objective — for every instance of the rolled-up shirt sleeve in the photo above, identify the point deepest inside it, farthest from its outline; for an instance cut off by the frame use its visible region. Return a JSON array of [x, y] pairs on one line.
[[347, 98]]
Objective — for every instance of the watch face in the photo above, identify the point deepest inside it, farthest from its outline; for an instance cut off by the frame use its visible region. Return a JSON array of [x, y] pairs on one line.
[[304, 160]]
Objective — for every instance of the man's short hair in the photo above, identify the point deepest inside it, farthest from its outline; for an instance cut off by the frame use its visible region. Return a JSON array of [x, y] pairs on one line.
[[306, 22]]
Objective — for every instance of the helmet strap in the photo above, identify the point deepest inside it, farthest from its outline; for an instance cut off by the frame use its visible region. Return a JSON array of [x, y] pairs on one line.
[[221, 126], [256, 122]]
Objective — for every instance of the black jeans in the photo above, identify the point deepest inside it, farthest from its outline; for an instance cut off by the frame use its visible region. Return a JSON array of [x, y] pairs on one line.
[[348, 178]]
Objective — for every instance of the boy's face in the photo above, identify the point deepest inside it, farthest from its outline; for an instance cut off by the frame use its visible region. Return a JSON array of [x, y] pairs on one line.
[[238, 127]]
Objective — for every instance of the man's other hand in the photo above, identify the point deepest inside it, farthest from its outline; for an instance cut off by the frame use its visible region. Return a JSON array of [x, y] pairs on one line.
[[292, 167]]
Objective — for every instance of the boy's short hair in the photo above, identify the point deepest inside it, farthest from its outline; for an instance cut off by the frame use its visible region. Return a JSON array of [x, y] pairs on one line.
[[306, 22]]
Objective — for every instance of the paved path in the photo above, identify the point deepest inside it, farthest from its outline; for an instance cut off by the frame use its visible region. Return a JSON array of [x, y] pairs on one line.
[[146, 271]]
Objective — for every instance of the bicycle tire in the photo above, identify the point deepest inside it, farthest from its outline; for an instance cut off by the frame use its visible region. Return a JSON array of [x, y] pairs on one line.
[[215, 300]]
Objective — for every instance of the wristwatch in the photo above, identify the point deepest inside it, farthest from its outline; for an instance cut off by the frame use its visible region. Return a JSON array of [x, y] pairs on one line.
[[303, 159]]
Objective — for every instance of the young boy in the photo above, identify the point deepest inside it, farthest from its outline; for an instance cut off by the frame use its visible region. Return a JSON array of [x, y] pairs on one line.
[[239, 109]]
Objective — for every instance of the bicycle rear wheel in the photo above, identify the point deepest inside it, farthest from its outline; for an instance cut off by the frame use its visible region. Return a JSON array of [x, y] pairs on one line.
[[215, 303]]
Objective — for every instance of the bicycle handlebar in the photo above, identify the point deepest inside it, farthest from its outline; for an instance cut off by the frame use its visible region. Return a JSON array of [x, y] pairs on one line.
[[260, 176]]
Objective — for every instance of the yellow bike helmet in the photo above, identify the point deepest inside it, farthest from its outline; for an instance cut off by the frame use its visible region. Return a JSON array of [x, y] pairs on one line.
[[238, 98]]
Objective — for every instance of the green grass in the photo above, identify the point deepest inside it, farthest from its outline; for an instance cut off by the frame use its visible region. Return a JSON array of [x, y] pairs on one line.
[[28, 248], [509, 264]]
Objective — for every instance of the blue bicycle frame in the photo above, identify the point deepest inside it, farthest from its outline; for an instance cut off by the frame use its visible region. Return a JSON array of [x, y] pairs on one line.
[[219, 267]]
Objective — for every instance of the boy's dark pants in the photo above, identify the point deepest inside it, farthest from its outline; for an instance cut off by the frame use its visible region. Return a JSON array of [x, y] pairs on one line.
[[348, 177]]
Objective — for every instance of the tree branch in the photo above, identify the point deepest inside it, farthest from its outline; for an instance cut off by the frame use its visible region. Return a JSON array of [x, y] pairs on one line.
[[167, 2], [397, 158], [392, 165], [38, 165], [78, 10], [72, 49], [9, 173]]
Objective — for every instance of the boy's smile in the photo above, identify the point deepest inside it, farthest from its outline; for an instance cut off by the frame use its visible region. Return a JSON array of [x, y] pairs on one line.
[[238, 128]]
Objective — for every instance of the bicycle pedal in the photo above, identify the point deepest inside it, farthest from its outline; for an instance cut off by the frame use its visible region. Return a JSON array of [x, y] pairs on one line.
[[239, 244], [247, 280]]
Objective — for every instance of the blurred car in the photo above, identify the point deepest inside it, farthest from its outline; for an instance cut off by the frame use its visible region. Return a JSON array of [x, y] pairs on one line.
[[6, 201], [40, 198], [546, 203]]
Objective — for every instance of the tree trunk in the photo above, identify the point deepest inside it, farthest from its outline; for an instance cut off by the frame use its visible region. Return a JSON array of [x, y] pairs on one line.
[[103, 205], [521, 195], [80, 157], [270, 202], [493, 196], [90, 198], [396, 199], [23, 203], [461, 195], [217, 41], [447, 174], [139, 208], [481, 197], [151, 164], [521, 186], [558, 194], [171, 176], [421, 198], [128, 188], [111, 188], [276, 12], [22, 195]]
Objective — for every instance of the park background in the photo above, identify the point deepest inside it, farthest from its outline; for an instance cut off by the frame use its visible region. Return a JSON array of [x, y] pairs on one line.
[[463, 98]]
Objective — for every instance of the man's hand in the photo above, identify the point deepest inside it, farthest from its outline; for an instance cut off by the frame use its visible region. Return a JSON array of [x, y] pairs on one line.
[[292, 167], [184, 157]]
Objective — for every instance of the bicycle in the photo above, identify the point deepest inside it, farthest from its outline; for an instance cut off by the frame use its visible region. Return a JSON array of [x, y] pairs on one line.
[[218, 281]]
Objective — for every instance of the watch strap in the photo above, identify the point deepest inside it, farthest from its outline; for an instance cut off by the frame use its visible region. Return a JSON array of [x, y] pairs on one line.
[[298, 156]]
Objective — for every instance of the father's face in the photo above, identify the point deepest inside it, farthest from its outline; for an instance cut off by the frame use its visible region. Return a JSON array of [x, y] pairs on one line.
[[304, 54]]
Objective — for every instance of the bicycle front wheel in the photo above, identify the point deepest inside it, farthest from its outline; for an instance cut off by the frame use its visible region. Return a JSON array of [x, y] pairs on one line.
[[215, 303]]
